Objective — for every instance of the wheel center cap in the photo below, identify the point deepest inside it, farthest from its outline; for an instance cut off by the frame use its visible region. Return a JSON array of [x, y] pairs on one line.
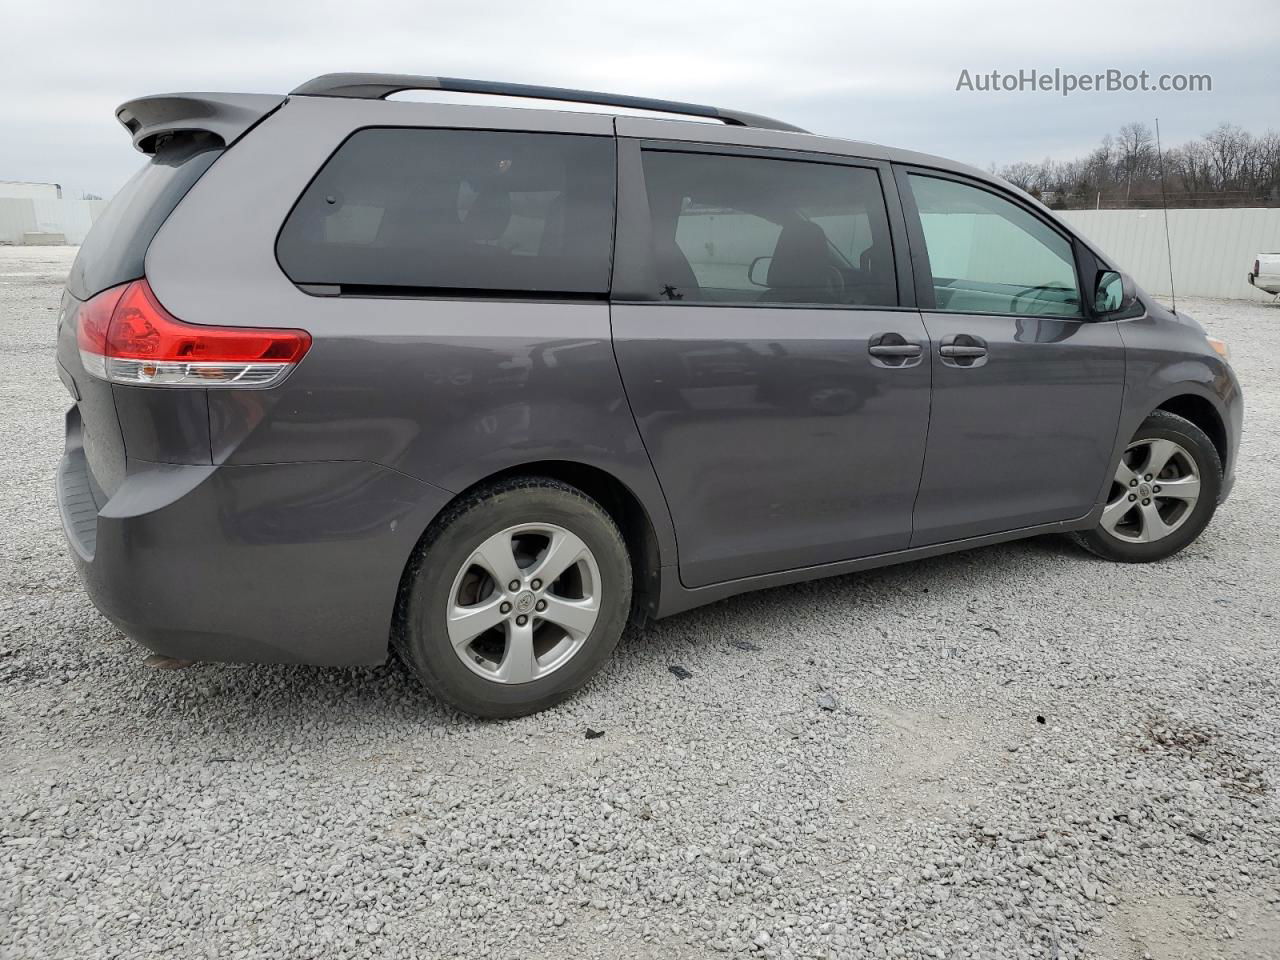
[[1144, 490], [524, 602]]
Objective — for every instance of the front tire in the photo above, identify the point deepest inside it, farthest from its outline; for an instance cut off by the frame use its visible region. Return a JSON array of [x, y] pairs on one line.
[[516, 596], [1164, 493]]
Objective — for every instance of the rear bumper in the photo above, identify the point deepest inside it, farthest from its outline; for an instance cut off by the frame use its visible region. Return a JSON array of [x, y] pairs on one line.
[[279, 563], [1267, 282]]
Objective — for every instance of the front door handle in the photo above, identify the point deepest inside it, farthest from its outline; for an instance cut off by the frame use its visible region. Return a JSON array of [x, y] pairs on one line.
[[894, 350], [963, 350]]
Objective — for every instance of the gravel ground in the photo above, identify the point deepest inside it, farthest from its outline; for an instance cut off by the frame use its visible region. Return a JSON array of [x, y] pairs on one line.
[[1020, 751]]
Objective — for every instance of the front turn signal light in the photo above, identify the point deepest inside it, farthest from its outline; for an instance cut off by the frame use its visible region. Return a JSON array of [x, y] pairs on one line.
[[1220, 348]]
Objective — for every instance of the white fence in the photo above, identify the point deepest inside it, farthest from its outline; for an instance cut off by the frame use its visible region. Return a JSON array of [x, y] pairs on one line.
[[1213, 250], [27, 221]]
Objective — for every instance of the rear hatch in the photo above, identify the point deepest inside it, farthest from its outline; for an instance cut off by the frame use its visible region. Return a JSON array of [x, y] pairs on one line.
[[112, 255], [183, 134]]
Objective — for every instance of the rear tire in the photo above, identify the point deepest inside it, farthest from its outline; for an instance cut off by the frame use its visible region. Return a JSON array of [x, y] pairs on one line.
[[477, 622], [1150, 514]]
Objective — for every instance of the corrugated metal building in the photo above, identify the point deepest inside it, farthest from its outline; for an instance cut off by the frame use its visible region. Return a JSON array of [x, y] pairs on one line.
[[29, 190], [1213, 250], [47, 221]]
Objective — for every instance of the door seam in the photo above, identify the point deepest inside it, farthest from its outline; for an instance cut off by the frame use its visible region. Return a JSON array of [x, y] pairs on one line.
[[928, 427], [626, 397]]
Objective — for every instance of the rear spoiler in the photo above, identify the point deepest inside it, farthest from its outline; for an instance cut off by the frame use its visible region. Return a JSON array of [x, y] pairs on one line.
[[225, 115]]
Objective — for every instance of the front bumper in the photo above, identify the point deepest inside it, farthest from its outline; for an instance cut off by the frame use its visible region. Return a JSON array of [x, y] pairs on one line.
[[1232, 399], [281, 563]]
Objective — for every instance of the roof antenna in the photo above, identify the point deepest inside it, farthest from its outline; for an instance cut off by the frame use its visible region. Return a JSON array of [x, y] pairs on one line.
[[1164, 201]]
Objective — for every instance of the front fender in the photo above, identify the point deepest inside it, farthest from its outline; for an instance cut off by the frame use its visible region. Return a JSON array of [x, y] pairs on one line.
[[1166, 359]]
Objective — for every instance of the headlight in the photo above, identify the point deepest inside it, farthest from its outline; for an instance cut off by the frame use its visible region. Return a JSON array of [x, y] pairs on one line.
[[1220, 348]]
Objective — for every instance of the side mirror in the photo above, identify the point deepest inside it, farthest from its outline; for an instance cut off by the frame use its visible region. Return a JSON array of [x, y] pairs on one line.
[[758, 272], [1114, 293]]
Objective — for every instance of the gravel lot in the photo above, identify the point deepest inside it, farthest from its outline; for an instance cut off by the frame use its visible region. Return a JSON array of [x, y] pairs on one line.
[[1030, 752]]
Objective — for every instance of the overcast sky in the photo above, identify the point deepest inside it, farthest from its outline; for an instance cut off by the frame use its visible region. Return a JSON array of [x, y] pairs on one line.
[[885, 72]]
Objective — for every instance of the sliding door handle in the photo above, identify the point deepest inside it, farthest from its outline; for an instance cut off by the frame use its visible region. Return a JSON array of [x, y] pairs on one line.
[[896, 350]]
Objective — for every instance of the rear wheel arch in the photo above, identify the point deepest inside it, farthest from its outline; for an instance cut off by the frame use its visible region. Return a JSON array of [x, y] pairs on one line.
[[616, 498]]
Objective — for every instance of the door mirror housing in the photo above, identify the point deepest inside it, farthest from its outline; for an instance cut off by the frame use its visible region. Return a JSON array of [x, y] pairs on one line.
[[1114, 294]]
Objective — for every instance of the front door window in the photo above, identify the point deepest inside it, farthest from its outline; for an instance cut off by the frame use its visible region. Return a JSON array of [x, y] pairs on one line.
[[989, 255]]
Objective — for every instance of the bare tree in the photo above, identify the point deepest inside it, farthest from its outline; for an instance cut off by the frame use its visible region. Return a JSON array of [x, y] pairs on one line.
[[1191, 166], [1228, 150], [1226, 165], [1267, 169], [1022, 175], [1135, 148]]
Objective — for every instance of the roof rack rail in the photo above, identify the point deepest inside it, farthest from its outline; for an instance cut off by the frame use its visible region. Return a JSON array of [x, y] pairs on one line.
[[378, 86]]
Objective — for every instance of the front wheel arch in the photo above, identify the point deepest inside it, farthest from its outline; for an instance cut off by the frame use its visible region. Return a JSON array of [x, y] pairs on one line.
[[1206, 472], [1201, 412]]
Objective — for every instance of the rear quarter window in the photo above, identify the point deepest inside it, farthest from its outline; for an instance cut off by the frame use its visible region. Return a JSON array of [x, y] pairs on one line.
[[116, 247], [457, 210]]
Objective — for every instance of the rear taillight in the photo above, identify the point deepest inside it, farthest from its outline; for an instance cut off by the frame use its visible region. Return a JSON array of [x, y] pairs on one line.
[[1257, 267], [126, 336]]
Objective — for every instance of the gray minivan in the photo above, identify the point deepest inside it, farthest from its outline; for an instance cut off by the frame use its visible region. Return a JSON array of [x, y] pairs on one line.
[[480, 383]]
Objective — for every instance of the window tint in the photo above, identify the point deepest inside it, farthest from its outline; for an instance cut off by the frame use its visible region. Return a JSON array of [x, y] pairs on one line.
[[470, 210], [988, 255], [753, 230], [116, 247]]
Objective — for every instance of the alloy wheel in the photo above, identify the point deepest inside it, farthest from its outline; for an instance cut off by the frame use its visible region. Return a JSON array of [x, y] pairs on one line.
[[1155, 489], [524, 603]]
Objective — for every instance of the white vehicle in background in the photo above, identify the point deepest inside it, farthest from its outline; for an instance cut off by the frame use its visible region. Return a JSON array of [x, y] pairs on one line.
[[1266, 273]]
